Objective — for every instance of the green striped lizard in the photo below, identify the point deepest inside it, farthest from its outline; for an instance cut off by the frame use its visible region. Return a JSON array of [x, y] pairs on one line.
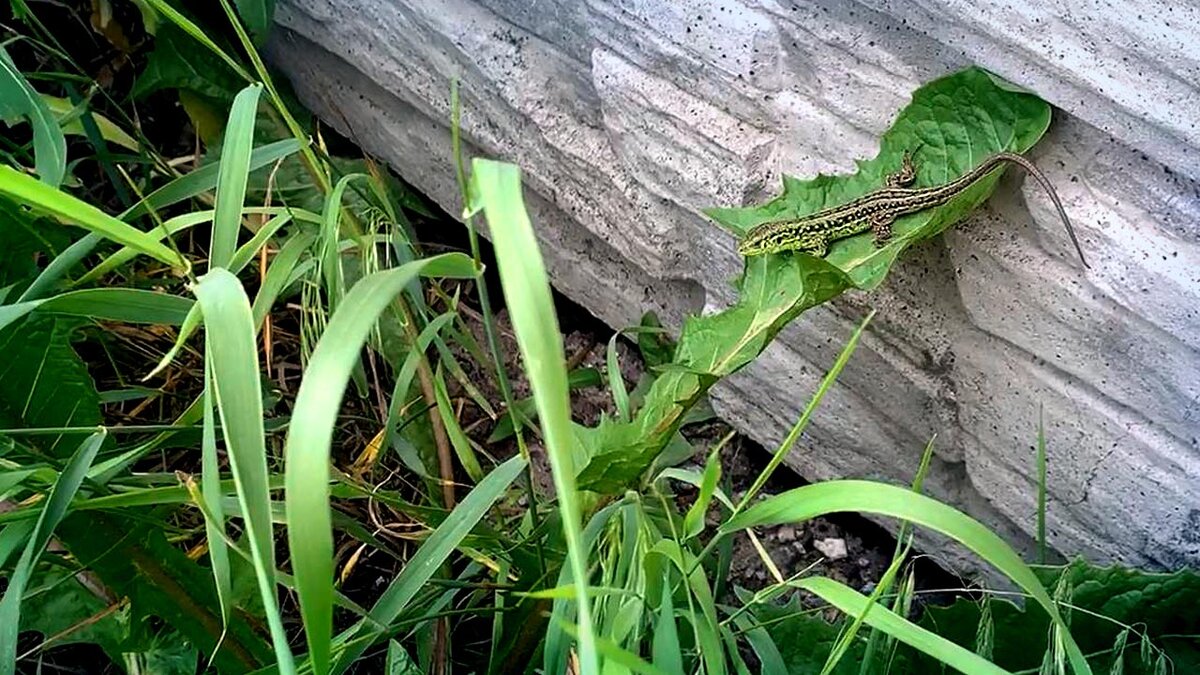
[[876, 211]]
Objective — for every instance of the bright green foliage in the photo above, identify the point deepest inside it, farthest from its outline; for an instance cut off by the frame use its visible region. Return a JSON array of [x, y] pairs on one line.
[[956, 121], [1104, 602]]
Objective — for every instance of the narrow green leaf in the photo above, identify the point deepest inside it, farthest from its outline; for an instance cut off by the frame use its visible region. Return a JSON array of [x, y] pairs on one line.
[[458, 438], [110, 304], [246, 252], [231, 182], [205, 178], [184, 187], [19, 99], [214, 515], [311, 432], [665, 644], [881, 618], [278, 274], [56, 507], [531, 306], [330, 238], [235, 377], [409, 370], [616, 656], [616, 382], [693, 522], [63, 206]]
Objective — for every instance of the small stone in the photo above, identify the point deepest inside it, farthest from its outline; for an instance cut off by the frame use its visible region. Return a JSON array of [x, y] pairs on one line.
[[786, 533], [833, 549]]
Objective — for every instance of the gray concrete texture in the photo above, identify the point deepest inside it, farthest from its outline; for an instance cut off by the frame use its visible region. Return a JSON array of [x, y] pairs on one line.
[[628, 117]]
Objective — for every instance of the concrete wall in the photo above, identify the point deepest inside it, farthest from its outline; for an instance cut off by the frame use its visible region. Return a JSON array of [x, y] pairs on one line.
[[630, 116]]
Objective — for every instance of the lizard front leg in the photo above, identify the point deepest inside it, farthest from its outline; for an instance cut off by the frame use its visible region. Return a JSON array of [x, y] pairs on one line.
[[817, 246], [905, 176]]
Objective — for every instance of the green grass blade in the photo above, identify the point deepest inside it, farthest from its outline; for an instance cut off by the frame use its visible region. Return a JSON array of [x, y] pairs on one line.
[[432, 554], [308, 443], [616, 383], [109, 304], [56, 507], [801, 424], [42, 197], [184, 187], [665, 644], [205, 178], [497, 187], [409, 370], [458, 438], [881, 618], [887, 500], [693, 522], [229, 331], [214, 515], [247, 251], [330, 261], [49, 144], [1041, 493], [277, 276], [235, 172]]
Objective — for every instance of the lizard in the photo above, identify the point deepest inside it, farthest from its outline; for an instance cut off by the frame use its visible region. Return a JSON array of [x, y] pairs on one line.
[[877, 210]]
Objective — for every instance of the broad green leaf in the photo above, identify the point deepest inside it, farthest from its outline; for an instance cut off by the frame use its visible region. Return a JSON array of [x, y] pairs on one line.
[[1163, 608], [951, 125], [134, 559], [18, 99], [531, 307], [44, 383], [179, 61], [42, 197], [233, 357], [256, 16], [811, 501], [311, 432], [57, 504], [953, 122], [68, 610], [231, 182]]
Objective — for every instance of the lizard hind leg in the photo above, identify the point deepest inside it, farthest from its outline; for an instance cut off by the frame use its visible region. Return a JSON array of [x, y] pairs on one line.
[[881, 227]]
